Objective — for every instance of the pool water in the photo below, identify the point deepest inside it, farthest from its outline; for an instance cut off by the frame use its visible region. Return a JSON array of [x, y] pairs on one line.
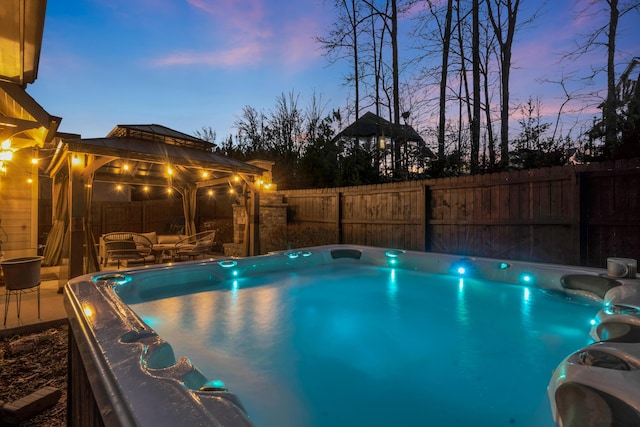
[[375, 346]]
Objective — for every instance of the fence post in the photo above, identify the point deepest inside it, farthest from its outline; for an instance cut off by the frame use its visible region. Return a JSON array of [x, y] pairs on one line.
[[579, 240], [338, 218], [426, 217]]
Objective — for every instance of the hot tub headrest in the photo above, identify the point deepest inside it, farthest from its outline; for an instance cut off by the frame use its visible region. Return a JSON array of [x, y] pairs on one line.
[[598, 285], [346, 253]]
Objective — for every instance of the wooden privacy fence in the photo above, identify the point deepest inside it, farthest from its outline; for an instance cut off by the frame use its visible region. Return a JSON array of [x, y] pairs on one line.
[[572, 214]]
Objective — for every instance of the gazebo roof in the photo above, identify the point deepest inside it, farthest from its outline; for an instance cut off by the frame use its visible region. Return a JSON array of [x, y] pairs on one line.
[[141, 154], [371, 124], [159, 133]]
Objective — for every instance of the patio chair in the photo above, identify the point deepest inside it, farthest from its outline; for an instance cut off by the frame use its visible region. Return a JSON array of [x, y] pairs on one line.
[[127, 246], [196, 245]]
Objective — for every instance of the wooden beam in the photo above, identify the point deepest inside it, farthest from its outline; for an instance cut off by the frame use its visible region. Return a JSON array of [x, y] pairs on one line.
[[94, 164], [77, 213]]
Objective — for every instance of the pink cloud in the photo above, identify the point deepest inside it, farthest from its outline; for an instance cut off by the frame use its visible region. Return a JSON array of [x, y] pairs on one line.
[[243, 55], [297, 42], [248, 33], [247, 17]]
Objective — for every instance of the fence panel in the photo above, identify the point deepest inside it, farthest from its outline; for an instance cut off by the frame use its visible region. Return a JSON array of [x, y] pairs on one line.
[[390, 215], [571, 214], [611, 212], [516, 215], [122, 216]]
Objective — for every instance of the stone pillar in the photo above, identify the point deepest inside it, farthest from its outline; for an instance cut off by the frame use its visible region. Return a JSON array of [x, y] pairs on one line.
[[273, 218]]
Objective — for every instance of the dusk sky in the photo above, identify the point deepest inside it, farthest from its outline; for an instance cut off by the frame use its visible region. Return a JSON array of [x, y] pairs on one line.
[[189, 64]]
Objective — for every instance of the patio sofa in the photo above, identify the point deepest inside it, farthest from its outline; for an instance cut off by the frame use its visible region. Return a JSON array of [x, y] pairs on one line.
[[152, 237]]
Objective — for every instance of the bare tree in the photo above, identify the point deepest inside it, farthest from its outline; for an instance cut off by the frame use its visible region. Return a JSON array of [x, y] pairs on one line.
[[313, 117], [463, 93], [445, 35], [489, 51], [285, 126], [207, 134], [475, 122], [504, 27], [343, 42], [251, 129], [605, 37]]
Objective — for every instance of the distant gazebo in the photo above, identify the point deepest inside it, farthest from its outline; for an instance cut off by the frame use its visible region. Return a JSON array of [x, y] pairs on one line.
[[371, 125], [149, 155], [373, 128]]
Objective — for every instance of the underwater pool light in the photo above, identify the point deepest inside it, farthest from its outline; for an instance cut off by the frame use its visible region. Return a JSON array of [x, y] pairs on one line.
[[504, 265], [227, 263], [394, 253], [527, 278], [463, 267]]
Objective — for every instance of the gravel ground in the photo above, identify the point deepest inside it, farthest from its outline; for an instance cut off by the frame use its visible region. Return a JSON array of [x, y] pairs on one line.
[[30, 362]]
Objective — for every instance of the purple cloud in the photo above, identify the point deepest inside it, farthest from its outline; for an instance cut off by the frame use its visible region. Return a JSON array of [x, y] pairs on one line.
[[248, 33]]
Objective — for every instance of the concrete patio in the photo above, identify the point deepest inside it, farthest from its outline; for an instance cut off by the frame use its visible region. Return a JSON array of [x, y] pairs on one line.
[[51, 307]]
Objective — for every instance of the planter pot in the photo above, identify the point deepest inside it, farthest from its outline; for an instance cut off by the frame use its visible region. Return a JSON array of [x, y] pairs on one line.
[[20, 275]]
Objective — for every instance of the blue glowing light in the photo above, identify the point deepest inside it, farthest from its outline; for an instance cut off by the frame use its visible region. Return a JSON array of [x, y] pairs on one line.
[[463, 266], [527, 294], [593, 322], [214, 385], [393, 261], [461, 284], [234, 272], [151, 321], [227, 263], [503, 266], [527, 278], [294, 255], [394, 253]]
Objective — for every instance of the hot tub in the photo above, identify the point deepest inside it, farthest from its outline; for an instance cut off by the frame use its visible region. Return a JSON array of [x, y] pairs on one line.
[[349, 335]]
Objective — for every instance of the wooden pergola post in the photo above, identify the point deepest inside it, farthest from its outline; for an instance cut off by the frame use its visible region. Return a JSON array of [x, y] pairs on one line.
[[77, 213]]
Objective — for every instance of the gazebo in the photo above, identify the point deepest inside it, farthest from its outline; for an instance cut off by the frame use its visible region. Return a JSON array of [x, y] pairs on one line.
[[145, 155], [371, 125]]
